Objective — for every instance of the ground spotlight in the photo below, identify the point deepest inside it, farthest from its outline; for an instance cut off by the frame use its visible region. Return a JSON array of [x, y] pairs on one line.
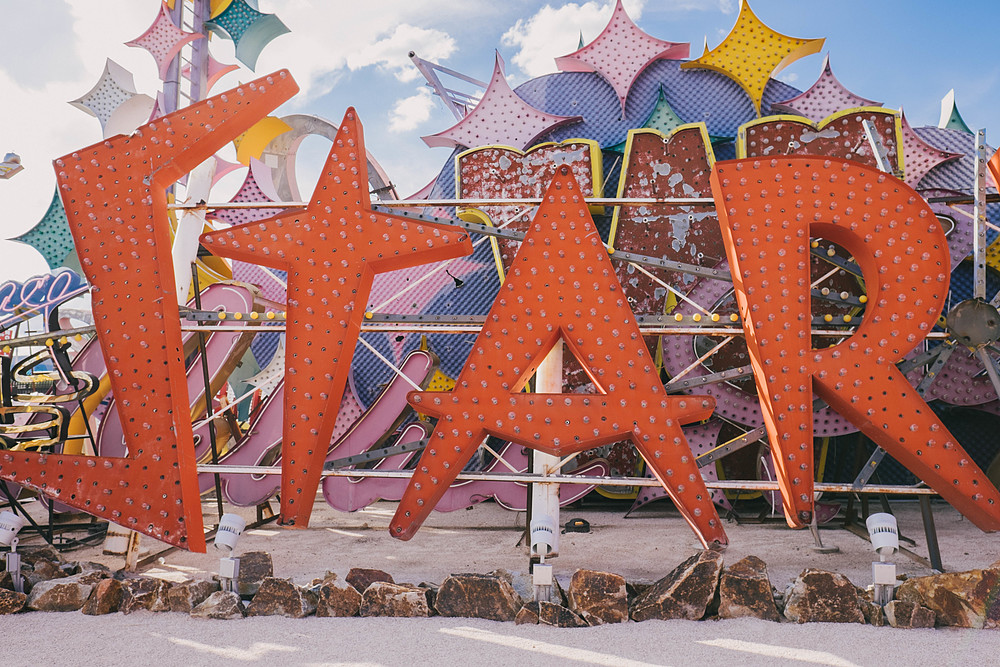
[[885, 540], [10, 524], [226, 536]]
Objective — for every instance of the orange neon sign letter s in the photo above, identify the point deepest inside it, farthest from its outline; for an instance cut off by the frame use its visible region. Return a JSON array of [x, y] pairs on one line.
[[768, 208]]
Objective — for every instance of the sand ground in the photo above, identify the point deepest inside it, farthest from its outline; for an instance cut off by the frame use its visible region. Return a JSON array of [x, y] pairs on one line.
[[643, 547]]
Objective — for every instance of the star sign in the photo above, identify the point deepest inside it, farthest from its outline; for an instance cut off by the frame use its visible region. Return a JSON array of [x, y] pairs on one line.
[[751, 53], [331, 250]]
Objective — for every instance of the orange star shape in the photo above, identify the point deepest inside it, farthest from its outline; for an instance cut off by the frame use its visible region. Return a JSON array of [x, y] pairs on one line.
[[331, 250]]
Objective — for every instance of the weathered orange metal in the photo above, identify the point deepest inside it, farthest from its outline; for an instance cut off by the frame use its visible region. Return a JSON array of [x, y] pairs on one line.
[[768, 208], [561, 286], [115, 198], [331, 250]]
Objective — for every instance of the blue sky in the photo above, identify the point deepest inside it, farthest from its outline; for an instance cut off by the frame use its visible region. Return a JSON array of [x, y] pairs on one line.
[[905, 54]]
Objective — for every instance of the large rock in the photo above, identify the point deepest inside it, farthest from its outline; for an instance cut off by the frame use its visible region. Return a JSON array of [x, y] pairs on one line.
[[549, 613], [280, 597], [684, 593], [221, 605], [817, 596], [598, 597], [873, 613], [31, 555], [906, 614], [144, 593], [187, 595], [382, 598], [477, 596], [255, 566], [745, 590], [337, 598], [6, 579], [106, 598], [11, 602], [361, 578], [66, 594], [42, 570], [958, 599]]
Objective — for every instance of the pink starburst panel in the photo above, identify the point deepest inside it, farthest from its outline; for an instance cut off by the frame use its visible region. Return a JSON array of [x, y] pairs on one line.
[[501, 118], [621, 52]]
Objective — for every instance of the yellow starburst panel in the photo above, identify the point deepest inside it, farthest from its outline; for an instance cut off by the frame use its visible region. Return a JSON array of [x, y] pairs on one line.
[[752, 53]]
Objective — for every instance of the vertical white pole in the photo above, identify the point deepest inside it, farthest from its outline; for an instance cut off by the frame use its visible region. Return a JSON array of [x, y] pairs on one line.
[[545, 496]]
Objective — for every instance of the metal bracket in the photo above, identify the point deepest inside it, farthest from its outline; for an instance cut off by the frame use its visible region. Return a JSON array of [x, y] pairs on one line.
[[375, 454]]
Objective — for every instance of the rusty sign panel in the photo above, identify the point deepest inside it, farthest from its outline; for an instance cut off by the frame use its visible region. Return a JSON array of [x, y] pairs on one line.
[[500, 172], [561, 286], [115, 198], [678, 165], [331, 250], [841, 135], [767, 210]]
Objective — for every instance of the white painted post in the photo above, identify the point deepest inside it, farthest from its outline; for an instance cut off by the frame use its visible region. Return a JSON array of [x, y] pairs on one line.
[[545, 496]]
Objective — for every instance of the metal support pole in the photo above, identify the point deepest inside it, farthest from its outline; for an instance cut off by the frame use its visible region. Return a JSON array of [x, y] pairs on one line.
[[208, 392], [930, 532], [979, 217]]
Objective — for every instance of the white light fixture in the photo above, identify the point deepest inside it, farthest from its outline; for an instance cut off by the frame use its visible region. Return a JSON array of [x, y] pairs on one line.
[[884, 534], [10, 524], [226, 536]]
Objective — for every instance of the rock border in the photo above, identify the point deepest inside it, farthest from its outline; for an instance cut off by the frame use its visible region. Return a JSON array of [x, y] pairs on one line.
[[699, 588]]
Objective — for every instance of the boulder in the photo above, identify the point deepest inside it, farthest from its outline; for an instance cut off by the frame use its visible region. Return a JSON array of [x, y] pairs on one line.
[[745, 590], [6, 580], [337, 598], [221, 605], [65, 594], [817, 596], [42, 570], [361, 578], [684, 593], [873, 613], [477, 596], [906, 614], [598, 597], [187, 595], [31, 555], [106, 598], [144, 593], [958, 599], [382, 598], [11, 602], [281, 597], [255, 566], [549, 613], [528, 615]]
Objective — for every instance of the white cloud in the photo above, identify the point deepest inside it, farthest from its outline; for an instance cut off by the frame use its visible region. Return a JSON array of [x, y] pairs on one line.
[[392, 52], [332, 38], [410, 112], [727, 6]]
